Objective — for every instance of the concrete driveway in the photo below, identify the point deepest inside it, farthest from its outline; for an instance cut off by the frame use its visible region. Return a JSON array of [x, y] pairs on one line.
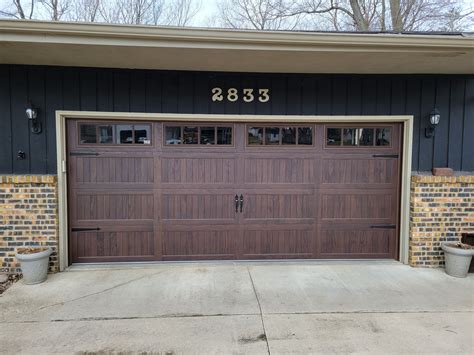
[[260, 308]]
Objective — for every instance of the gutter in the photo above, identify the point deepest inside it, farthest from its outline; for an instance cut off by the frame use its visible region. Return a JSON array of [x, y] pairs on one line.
[[62, 32]]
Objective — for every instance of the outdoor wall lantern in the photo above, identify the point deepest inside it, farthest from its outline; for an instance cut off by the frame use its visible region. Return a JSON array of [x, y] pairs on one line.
[[32, 115], [435, 116]]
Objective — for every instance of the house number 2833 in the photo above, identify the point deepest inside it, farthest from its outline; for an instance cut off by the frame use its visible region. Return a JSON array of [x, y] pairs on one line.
[[248, 95]]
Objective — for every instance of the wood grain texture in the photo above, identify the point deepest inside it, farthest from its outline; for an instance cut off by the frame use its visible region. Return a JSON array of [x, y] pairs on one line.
[[292, 202]]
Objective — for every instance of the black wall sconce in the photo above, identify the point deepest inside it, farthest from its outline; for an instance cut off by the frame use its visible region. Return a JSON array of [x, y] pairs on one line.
[[32, 115], [435, 117]]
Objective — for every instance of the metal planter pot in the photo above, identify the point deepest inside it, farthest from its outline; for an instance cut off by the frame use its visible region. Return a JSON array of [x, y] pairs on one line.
[[457, 260], [34, 266]]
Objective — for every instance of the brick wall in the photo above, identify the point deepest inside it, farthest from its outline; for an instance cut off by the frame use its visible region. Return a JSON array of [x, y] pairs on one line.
[[28, 217], [441, 208]]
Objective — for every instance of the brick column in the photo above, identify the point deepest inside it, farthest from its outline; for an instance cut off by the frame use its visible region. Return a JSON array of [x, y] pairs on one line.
[[441, 208], [28, 217]]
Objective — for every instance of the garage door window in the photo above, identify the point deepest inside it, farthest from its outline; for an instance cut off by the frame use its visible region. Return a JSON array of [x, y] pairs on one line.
[[204, 136], [277, 136], [114, 134], [358, 137]]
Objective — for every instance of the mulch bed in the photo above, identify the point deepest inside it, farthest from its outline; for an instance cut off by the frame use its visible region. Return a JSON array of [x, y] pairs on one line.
[[10, 281]]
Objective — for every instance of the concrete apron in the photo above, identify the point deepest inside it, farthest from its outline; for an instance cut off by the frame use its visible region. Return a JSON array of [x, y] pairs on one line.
[[243, 308]]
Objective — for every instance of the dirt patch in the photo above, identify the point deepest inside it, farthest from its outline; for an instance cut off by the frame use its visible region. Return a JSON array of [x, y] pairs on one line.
[[246, 340], [460, 246], [30, 250], [11, 279]]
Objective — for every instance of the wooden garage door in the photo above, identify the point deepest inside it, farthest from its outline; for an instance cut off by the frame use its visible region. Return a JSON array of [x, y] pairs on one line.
[[143, 191]]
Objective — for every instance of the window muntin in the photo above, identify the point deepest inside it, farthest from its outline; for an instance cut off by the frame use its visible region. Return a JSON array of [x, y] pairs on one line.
[[114, 134], [277, 136], [358, 137], [198, 135]]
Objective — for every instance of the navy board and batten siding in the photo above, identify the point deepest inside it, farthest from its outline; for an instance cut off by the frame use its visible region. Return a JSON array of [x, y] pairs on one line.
[[120, 90]]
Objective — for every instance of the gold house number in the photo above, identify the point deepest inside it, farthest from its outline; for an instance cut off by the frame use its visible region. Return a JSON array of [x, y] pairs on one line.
[[232, 95]]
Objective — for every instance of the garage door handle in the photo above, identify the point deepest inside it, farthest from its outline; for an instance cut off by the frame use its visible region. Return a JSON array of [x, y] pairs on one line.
[[384, 226], [236, 203], [385, 155], [241, 202], [84, 229]]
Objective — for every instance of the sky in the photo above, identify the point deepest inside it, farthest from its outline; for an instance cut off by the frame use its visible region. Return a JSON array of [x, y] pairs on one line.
[[208, 8], [208, 11]]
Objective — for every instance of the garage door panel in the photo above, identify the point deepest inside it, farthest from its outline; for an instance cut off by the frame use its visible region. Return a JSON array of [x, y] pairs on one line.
[[178, 201], [198, 171], [113, 170], [281, 170], [209, 243], [198, 206], [112, 246], [103, 206], [274, 242], [345, 206], [278, 206], [355, 242], [356, 170]]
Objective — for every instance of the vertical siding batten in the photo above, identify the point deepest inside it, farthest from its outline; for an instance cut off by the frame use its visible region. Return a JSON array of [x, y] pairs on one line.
[[153, 92], [369, 96], [456, 123], [354, 96], [339, 96], [88, 89], [428, 94], [468, 140], [413, 106], [324, 89], [308, 95], [138, 91], [6, 164], [36, 94], [440, 140], [20, 125], [104, 90], [53, 102], [383, 99], [121, 89]]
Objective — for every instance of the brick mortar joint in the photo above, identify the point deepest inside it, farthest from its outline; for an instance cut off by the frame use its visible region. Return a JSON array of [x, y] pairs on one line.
[[416, 180], [28, 179]]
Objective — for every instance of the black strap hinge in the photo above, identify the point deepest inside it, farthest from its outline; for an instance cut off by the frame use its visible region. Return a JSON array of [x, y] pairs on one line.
[[384, 226], [385, 155]]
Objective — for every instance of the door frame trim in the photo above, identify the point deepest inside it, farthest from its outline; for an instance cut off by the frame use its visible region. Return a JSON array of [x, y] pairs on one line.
[[62, 116]]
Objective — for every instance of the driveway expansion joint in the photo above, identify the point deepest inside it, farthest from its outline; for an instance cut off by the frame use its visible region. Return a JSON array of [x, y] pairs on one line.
[[264, 335]]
